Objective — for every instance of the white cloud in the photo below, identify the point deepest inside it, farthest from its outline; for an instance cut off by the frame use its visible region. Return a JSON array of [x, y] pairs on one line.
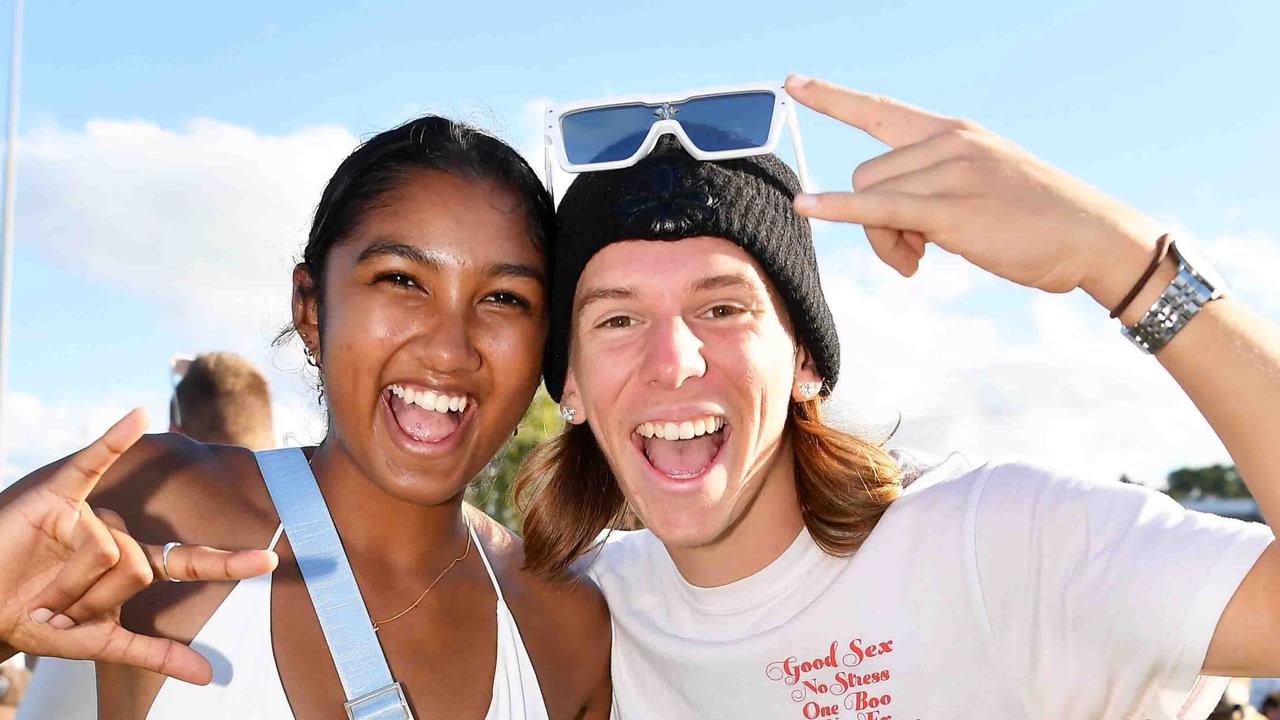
[[209, 217], [1068, 391], [37, 432]]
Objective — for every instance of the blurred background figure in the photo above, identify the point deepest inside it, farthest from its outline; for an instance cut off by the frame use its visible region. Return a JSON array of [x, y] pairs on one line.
[[1270, 706], [13, 681], [1234, 704], [218, 397]]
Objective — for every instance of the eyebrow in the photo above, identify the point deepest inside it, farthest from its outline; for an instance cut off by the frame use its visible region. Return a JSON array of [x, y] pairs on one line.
[[516, 270], [714, 282], [398, 249], [718, 282], [605, 293], [433, 261]]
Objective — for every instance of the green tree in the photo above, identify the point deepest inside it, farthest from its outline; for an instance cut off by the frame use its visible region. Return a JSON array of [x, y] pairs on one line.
[[1221, 481], [491, 489]]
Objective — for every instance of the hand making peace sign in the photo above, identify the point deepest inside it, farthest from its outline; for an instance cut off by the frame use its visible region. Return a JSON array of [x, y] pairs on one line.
[[66, 570]]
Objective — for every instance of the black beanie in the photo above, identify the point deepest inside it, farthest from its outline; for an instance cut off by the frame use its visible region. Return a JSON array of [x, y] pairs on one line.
[[669, 195]]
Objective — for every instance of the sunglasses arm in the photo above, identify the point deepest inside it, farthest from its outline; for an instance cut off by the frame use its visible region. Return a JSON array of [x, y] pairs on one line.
[[802, 167], [546, 168]]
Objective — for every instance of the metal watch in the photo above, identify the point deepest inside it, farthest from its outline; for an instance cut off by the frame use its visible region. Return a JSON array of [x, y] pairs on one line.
[[1182, 298]]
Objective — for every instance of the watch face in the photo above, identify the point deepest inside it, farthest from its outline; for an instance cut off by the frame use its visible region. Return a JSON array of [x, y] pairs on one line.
[[1195, 257]]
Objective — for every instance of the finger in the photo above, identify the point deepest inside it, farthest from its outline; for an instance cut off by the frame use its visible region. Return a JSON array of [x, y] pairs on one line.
[[890, 247], [202, 563], [909, 158], [93, 553], [77, 478], [127, 578], [159, 655], [915, 241], [890, 121], [877, 207]]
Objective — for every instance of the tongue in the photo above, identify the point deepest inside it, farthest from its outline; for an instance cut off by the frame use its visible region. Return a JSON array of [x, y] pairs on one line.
[[682, 457], [420, 424]]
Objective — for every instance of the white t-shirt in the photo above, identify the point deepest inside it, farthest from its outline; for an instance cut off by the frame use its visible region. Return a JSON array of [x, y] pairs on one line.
[[993, 592]]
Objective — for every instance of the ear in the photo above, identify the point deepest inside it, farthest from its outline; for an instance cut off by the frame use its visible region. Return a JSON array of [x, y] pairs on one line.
[[571, 408], [306, 309], [806, 377]]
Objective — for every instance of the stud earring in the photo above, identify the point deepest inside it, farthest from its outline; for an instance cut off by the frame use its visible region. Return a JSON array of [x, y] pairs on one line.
[[809, 390], [568, 413]]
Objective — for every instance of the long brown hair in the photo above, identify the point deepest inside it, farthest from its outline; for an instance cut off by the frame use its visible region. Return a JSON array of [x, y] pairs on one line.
[[568, 494]]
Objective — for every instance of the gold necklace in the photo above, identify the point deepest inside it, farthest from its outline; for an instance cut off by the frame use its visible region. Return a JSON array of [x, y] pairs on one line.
[[378, 623]]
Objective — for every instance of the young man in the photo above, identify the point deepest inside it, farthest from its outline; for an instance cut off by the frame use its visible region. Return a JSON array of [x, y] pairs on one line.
[[785, 571], [222, 398]]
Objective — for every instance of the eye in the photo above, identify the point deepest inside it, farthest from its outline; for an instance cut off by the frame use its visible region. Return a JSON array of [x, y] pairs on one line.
[[617, 322], [397, 279], [720, 312], [508, 298]]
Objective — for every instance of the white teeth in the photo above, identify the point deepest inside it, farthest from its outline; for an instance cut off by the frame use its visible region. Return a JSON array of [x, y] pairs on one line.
[[429, 400], [683, 430]]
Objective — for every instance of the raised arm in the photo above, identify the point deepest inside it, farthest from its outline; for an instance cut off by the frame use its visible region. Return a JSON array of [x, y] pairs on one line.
[[66, 569], [951, 183]]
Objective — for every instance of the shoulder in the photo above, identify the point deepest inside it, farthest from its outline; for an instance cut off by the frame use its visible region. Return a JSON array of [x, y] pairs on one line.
[[573, 601], [169, 486], [564, 623]]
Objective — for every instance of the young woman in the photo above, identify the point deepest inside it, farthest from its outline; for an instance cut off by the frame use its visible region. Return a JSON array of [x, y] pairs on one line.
[[791, 570], [421, 300]]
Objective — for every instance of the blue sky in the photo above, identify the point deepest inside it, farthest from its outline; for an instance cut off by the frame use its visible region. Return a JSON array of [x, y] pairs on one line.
[[161, 141]]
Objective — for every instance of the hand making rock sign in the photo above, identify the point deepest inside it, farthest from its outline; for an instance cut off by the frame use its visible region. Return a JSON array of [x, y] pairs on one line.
[[74, 567]]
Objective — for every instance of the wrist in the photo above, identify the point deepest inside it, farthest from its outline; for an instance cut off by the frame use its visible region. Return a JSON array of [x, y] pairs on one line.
[[1120, 262]]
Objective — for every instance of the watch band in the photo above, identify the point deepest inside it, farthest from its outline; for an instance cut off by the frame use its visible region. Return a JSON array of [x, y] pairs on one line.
[[1181, 300]]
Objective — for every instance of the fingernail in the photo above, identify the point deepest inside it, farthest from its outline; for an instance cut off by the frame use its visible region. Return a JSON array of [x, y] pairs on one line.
[[806, 202], [41, 615], [61, 622], [798, 81]]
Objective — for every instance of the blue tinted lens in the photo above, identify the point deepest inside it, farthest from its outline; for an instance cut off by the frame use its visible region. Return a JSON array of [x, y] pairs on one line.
[[605, 134], [728, 122]]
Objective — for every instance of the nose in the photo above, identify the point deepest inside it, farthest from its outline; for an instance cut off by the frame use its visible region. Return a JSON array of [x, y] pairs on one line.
[[447, 345], [673, 354]]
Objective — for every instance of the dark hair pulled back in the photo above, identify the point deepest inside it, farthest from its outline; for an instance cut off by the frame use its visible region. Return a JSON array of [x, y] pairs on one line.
[[384, 162]]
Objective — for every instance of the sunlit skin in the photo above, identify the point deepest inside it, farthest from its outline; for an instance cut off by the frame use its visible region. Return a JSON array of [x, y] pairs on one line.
[[446, 300], [438, 288], [664, 331]]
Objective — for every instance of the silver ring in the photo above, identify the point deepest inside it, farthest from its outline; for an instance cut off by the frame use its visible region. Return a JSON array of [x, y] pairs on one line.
[[164, 560]]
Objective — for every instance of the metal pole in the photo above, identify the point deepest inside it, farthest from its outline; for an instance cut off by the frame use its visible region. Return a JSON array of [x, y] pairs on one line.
[[10, 164]]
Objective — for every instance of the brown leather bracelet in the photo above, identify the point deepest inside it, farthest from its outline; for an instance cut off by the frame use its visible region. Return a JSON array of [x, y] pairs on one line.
[[1162, 249]]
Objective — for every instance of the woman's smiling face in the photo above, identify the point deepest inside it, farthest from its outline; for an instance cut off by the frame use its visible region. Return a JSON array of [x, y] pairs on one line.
[[682, 360], [433, 325]]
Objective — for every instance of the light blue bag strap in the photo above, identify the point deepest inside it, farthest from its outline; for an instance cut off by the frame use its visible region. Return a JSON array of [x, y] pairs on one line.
[[366, 680]]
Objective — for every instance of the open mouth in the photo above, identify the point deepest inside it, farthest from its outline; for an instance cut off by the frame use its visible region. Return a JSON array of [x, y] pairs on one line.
[[685, 449], [426, 416]]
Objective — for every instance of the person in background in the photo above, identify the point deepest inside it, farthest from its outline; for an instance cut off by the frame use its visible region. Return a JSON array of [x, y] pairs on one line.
[[221, 398], [13, 681], [1271, 706], [218, 397]]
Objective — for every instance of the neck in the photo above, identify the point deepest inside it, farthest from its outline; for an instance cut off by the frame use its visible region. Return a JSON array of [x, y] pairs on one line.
[[379, 527], [764, 530]]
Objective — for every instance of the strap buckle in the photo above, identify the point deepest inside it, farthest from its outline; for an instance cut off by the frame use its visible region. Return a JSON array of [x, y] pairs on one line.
[[387, 703]]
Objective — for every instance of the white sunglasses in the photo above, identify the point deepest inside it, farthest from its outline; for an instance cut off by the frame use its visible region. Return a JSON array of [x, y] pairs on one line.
[[712, 124]]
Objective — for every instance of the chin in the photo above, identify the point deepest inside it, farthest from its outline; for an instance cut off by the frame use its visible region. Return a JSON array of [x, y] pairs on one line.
[[685, 528]]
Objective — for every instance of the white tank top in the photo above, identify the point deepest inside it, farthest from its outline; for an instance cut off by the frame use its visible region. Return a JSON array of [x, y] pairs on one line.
[[246, 684]]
